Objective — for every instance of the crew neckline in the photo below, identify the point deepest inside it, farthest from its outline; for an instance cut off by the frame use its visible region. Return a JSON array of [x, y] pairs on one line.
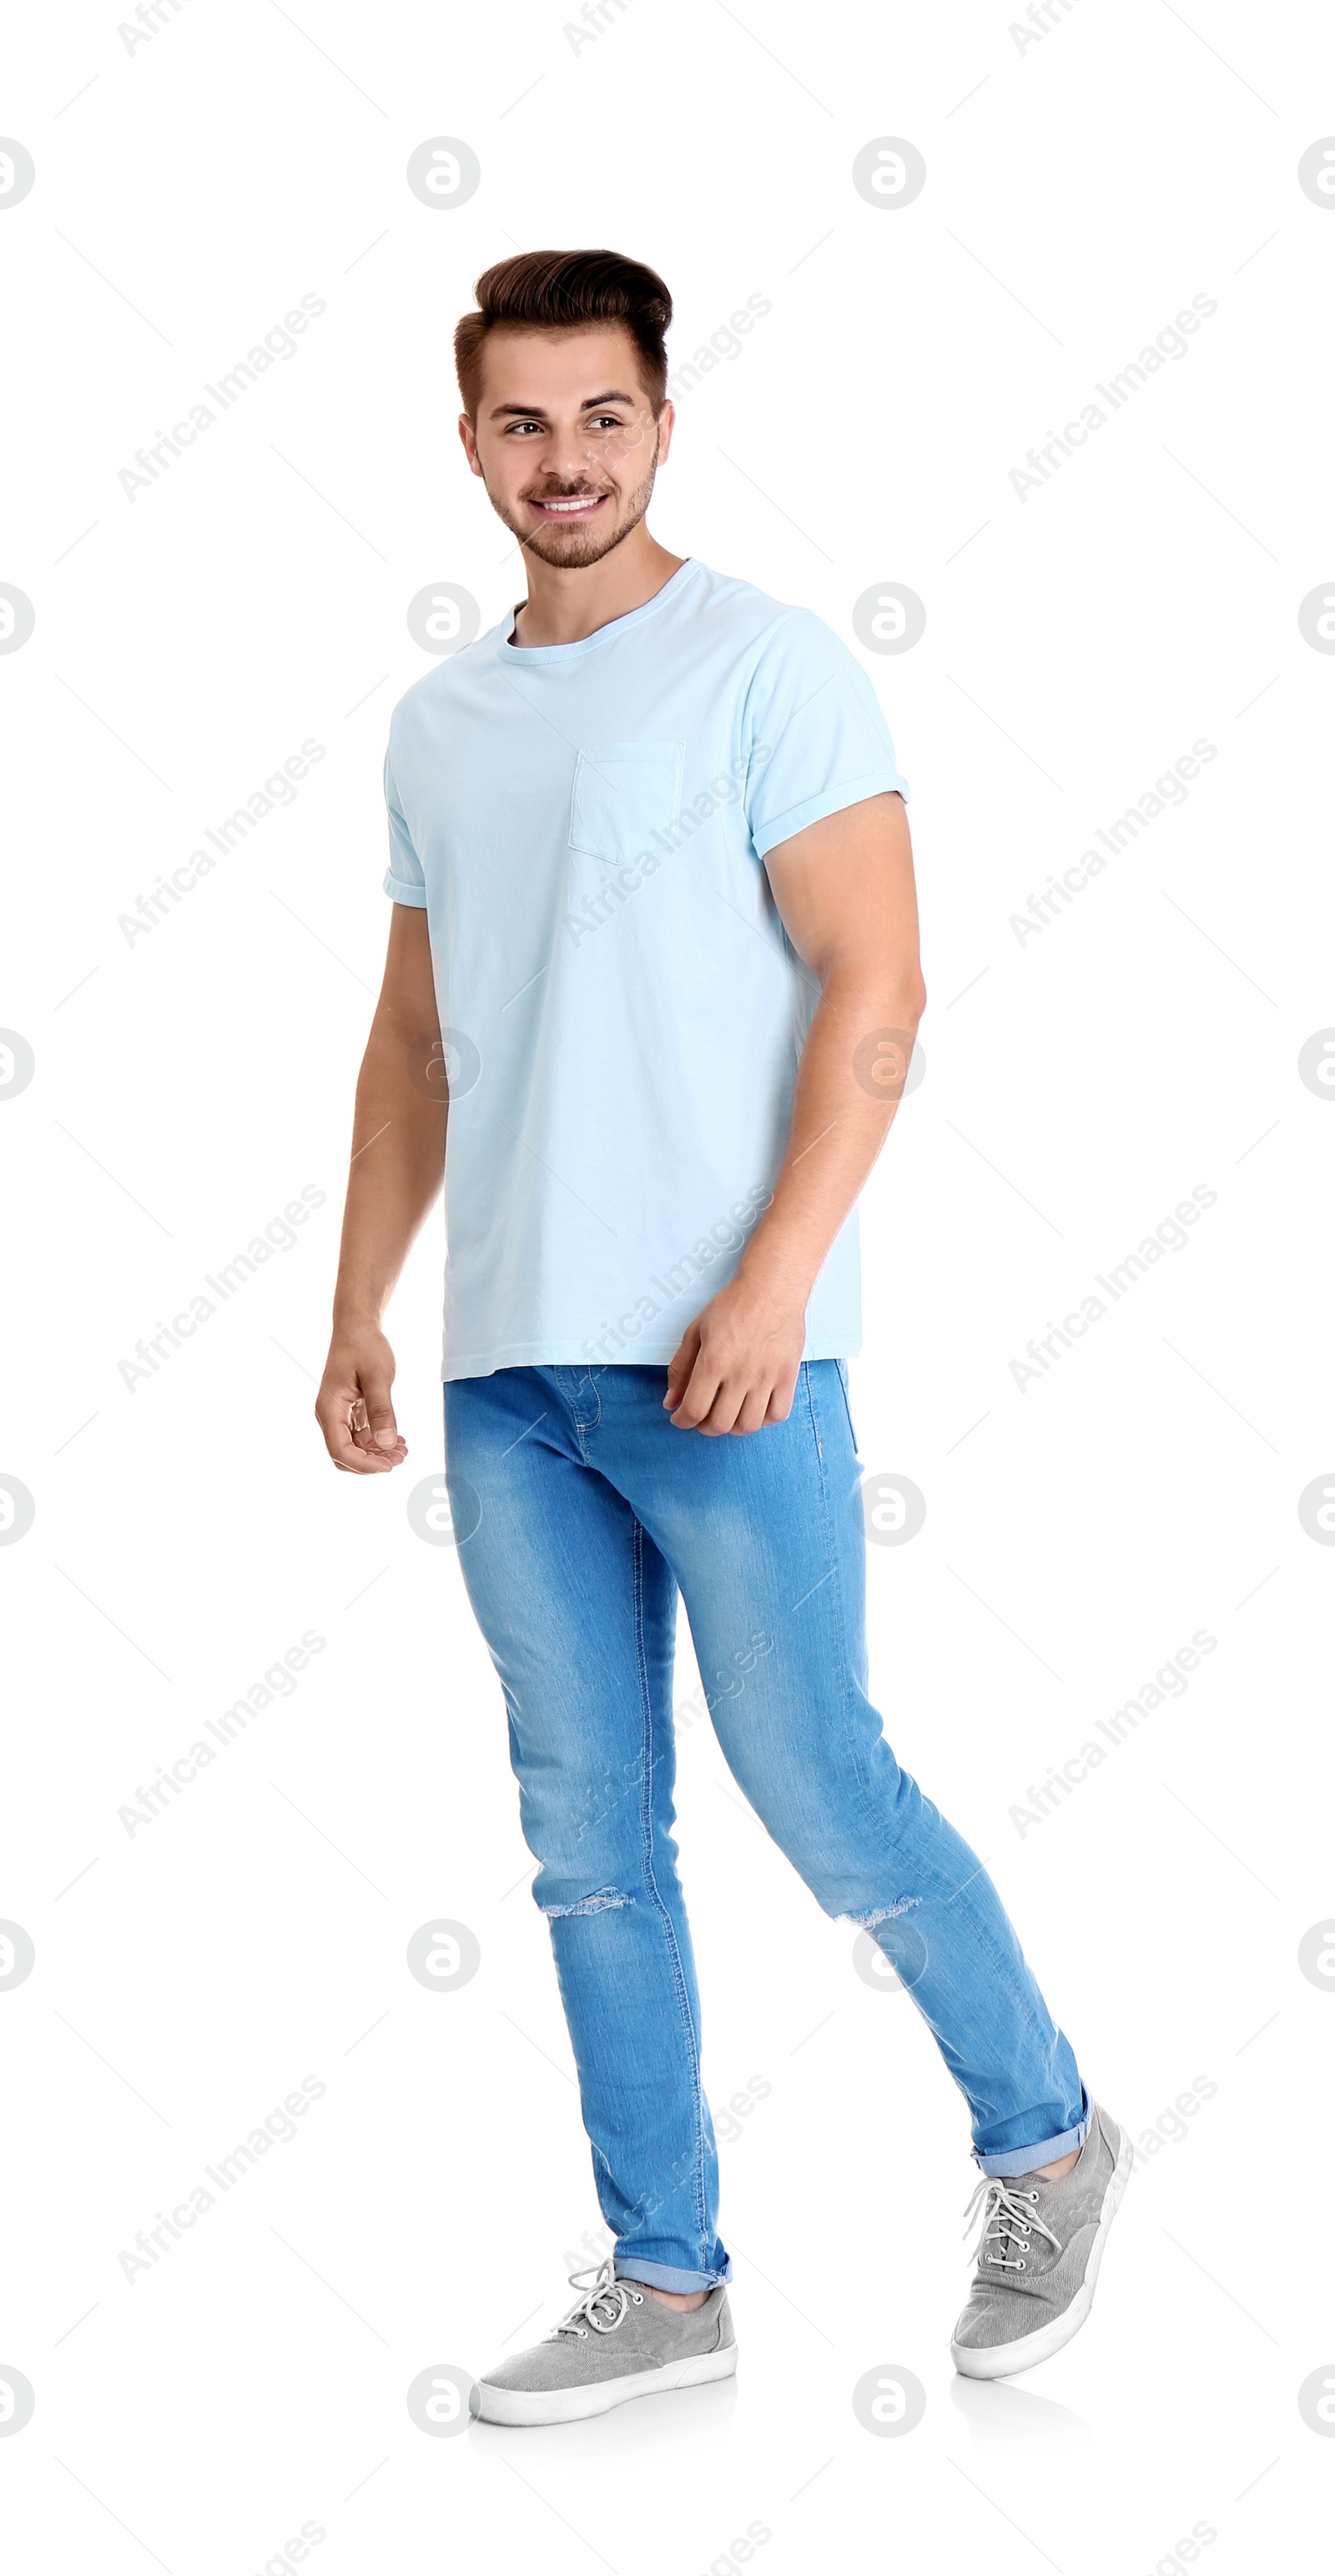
[[616, 626]]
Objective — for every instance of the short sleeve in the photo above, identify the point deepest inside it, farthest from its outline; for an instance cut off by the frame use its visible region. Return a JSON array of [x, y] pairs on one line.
[[404, 881], [813, 733]]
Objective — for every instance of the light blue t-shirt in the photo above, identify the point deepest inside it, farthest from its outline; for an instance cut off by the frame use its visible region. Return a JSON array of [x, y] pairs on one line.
[[621, 1012]]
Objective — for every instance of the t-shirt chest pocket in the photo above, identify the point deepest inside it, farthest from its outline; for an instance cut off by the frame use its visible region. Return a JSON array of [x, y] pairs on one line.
[[624, 793]]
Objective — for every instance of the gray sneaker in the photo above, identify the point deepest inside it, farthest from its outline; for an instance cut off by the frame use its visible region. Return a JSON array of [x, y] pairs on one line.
[[1039, 2253], [616, 2342]]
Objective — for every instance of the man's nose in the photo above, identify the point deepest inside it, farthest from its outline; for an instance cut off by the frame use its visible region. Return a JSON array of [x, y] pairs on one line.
[[570, 459]]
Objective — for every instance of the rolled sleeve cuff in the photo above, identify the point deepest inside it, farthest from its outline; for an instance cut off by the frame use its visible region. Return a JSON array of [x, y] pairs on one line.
[[399, 891], [832, 800]]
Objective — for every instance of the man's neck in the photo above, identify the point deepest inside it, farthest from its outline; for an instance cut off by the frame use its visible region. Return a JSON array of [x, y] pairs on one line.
[[564, 605]]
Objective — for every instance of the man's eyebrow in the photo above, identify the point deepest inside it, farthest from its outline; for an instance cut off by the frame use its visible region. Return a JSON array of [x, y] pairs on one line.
[[536, 411]]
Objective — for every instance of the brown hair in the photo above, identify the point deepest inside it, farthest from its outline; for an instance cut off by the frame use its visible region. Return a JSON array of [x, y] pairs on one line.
[[560, 290]]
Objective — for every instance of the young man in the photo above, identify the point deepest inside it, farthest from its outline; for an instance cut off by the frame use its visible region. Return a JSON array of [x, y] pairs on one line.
[[655, 926]]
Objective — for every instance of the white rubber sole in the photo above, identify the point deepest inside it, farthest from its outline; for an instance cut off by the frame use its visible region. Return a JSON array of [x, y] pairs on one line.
[[568, 2405], [1003, 2360]]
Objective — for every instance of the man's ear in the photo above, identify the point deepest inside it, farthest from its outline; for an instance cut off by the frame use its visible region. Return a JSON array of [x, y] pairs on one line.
[[468, 437]]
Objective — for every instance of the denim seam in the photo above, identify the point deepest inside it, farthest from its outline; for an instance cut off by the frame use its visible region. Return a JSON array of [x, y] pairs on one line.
[[570, 1382], [647, 1816], [865, 1799], [842, 1367], [811, 1416], [1020, 1994], [1021, 1999]]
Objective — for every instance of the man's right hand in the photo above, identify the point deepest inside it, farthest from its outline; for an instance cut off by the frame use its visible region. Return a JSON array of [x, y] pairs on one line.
[[394, 1176], [353, 1407]]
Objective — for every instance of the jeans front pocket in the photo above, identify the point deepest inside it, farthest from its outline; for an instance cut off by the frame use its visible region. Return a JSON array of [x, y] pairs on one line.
[[624, 792]]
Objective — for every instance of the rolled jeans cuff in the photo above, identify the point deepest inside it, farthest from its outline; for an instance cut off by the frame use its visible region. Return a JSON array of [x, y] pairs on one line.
[[1010, 2161], [665, 2276]]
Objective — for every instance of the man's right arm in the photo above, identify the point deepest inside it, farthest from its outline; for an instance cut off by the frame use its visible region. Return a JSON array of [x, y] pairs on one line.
[[398, 1158]]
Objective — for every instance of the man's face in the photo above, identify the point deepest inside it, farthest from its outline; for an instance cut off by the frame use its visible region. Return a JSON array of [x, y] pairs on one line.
[[565, 440]]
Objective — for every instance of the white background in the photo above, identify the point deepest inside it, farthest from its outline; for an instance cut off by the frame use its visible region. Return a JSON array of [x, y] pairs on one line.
[[1079, 193]]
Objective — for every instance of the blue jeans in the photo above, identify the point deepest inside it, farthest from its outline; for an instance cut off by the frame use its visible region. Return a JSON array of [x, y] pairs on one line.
[[580, 1511]]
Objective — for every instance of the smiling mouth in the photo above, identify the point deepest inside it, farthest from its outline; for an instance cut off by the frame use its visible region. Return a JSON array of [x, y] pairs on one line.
[[573, 505]]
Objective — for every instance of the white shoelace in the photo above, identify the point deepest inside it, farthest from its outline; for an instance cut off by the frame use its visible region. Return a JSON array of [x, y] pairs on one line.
[[1009, 2217], [601, 2306]]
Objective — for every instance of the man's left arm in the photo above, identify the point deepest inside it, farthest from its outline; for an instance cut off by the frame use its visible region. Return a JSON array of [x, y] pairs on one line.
[[845, 894]]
